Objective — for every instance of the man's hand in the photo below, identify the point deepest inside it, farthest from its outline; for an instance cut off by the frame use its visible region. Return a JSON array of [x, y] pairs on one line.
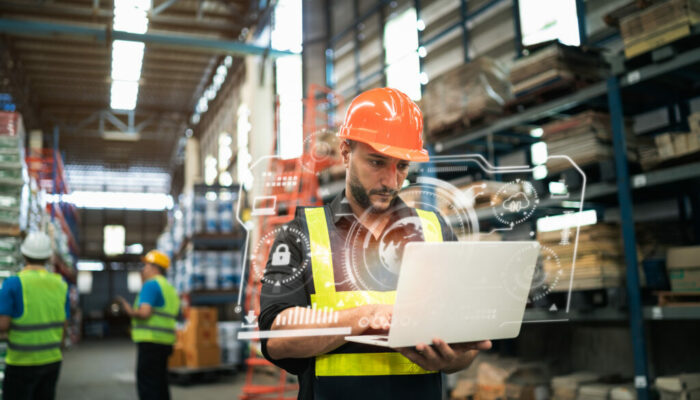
[[378, 320], [442, 357], [125, 305]]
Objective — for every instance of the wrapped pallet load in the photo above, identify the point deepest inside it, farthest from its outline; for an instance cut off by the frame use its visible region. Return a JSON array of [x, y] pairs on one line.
[[554, 65], [464, 96]]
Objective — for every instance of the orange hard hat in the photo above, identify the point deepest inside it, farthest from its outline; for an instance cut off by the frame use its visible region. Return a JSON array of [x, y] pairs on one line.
[[387, 120], [158, 258]]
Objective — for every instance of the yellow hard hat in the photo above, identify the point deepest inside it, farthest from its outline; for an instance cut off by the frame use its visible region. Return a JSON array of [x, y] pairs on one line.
[[158, 258]]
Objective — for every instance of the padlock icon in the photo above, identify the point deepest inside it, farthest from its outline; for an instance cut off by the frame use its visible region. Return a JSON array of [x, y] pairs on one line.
[[281, 255]]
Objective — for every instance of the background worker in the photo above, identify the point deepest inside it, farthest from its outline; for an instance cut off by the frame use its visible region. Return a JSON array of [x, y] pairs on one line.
[[34, 307], [153, 326], [380, 136]]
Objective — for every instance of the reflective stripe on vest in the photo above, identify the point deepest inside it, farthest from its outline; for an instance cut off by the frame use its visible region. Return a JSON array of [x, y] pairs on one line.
[[35, 337], [355, 364], [160, 326], [36, 327]]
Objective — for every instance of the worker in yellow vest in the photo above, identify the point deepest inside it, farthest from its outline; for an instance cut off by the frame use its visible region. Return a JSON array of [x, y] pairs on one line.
[[34, 308], [153, 319], [346, 267]]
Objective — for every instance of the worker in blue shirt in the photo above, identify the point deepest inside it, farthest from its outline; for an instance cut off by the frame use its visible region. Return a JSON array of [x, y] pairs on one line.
[[34, 308], [153, 320]]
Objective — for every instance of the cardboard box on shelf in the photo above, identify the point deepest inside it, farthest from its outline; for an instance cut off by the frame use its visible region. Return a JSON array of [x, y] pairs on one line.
[[683, 257], [203, 316], [209, 356], [197, 335]]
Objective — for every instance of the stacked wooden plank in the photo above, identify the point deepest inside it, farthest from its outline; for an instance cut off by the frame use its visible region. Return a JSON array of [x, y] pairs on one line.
[[553, 65], [586, 138], [599, 258], [464, 95], [658, 25]]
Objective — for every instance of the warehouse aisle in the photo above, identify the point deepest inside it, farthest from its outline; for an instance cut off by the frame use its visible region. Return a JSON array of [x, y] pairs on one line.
[[105, 370]]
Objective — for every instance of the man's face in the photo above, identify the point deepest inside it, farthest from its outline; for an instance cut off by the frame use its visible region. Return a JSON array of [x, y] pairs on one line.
[[147, 271], [374, 179]]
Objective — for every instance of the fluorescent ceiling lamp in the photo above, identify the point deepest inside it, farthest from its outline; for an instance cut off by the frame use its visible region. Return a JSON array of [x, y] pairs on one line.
[[124, 95], [571, 220], [117, 200], [127, 58], [86, 265], [131, 15]]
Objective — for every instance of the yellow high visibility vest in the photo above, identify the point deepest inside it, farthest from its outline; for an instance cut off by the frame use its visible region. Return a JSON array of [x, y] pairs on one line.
[[355, 364], [160, 326], [35, 337]]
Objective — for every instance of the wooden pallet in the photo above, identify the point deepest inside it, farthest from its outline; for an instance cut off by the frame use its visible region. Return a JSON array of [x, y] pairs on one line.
[[678, 299], [548, 91]]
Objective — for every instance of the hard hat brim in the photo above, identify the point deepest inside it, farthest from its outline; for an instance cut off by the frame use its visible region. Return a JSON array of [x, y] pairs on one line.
[[396, 152]]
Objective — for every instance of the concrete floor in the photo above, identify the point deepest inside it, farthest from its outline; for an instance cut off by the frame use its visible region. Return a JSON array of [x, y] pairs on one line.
[[105, 370]]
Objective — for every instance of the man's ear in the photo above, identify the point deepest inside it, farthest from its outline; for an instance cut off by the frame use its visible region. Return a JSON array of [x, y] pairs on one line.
[[345, 151]]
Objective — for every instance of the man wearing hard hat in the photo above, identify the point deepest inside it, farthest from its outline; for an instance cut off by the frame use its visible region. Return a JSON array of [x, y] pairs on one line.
[[153, 318], [34, 307], [345, 259]]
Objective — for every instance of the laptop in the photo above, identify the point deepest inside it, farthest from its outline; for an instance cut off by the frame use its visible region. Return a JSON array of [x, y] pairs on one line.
[[459, 292]]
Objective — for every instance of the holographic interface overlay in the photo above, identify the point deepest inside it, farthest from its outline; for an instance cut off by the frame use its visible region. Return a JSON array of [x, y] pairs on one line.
[[477, 200]]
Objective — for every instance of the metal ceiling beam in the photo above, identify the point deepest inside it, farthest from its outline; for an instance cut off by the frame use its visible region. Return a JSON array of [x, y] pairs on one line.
[[13, 26]]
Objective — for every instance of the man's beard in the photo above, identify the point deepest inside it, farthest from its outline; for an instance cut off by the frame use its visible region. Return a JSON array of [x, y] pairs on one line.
[[361, 195]]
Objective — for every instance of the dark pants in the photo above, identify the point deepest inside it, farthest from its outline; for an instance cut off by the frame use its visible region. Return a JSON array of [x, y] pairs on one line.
[[152, 371], [37, 382]]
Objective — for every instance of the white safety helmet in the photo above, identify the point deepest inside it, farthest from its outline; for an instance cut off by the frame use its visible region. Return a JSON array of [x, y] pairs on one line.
[[37, 245]]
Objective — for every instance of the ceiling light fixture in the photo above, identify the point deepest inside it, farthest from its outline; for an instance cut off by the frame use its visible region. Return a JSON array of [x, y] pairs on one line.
[[127, 56]]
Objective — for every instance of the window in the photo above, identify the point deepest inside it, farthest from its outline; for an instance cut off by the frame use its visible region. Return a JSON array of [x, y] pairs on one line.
[[560, 21], [402, 60], [114, 237], [287, 35]]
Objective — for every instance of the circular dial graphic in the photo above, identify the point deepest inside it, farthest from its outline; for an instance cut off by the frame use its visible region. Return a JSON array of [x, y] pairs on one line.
[[514, 202], [539, 284]]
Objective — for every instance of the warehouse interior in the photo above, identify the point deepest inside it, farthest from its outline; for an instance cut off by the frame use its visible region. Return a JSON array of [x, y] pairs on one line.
[[200, 127]]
